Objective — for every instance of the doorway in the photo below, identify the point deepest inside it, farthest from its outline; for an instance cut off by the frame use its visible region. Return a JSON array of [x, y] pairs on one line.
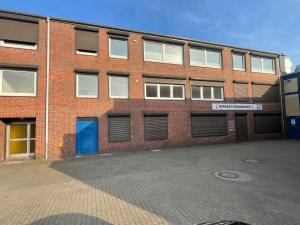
[[241, 127], [86, 136]]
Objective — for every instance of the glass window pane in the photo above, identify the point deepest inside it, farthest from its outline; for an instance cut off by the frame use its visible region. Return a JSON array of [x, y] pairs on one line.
[[217, 92], [87, 85], [256, 64], [18, 131], [165, 91], [118, 86], [268, 65], [32, 131], [213, 59], [14, 82], [197, 57], [151, 91], [173, 54], [196, 92], [207, 92], [32, 146], [118, 47], [177, 92], [153, 51], [17, 147], [238, 62]]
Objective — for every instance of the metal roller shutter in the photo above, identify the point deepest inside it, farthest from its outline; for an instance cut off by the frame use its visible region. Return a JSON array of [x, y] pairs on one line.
[[156, 127], [241, 92], [267, 123], [118, 128], [86, 40], [208, 125], [19, 31], [265, 93]]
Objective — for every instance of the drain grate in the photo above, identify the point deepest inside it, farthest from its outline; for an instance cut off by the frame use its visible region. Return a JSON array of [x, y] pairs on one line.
[[233, 176], [252, 161]]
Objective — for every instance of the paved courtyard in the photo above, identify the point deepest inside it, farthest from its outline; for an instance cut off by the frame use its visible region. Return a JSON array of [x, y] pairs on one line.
[[174, 186]]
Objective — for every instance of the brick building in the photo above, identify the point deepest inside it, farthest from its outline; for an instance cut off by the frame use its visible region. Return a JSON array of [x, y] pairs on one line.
[[68, 87]]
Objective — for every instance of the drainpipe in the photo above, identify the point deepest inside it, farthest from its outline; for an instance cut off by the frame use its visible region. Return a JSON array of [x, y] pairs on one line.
[[47, 89], [282, 72]]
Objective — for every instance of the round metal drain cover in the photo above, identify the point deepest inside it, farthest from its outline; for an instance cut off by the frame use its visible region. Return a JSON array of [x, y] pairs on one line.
[[252, 161], [233, 176]]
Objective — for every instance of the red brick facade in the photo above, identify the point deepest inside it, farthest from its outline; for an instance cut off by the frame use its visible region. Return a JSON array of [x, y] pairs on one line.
[[64, 107]]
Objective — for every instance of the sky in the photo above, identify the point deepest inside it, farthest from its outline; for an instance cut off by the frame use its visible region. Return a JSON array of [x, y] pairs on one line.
[[267, 25]]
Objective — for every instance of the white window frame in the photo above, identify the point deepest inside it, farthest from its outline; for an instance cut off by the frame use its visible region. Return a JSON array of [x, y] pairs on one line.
[[117, 56], [205, 58], [163, 53], [18, 94], [120, 97], [77, 86], [262, 65], [28, 139], [8, 44], [212, 94], [244, 64], [79, 52], [158, 91]]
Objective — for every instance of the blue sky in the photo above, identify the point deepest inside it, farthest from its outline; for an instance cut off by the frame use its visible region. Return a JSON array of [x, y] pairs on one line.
[[270, 25]]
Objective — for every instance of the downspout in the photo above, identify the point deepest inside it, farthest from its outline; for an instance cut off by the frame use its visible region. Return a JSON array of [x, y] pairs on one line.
[[47, 89], [282, 71]]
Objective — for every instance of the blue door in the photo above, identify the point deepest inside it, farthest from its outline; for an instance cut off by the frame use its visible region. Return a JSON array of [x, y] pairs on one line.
[[293, 124], [86, 136]]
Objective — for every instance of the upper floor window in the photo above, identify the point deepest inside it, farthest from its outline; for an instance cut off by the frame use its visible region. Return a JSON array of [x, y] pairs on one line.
[[118, 87], [163, 52], [262, 65], [205, 58], [118, 47], [207, 93], [16, 33], [238, 61], [86, 41], [87, 85], [17, 83], [164, 91]]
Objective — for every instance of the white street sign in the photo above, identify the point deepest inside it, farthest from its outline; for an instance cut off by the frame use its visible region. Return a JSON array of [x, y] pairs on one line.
[[236, 106]]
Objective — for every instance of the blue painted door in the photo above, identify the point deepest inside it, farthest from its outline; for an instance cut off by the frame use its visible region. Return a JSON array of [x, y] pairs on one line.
[[86, 136], [293, 124]]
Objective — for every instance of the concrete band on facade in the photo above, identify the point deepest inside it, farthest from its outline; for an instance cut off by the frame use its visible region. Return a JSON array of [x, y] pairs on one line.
[[136, 119]]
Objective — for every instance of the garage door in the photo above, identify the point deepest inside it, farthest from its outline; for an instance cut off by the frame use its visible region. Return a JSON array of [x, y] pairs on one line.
[[86, 136], [267, 123]]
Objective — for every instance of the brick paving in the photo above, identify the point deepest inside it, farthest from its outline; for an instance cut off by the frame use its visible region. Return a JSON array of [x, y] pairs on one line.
[[174, 186]]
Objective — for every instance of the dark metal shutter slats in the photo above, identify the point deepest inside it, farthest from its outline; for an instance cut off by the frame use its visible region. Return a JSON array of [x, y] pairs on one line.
[[265, 93], [118, 129], [203, 125], [156, 127], [20, 31], [267, 123], [241, 92], [86, 40]]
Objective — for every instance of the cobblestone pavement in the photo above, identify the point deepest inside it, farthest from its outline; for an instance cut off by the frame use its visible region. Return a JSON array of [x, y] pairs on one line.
[[174, 186]]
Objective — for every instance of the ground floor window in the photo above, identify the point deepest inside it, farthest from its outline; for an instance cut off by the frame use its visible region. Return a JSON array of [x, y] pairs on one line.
[[21, 139], [155, 126], [118, 128], [267, 123], [204, 125]]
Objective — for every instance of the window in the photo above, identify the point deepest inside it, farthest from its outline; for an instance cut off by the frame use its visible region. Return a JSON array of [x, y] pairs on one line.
[[87, 85], [207, 93], [118, 128], [164, 91], [208, 125], [118, 87], [19, 34], [238, 61], [86, 41], [17, 83], [262, 65], [161, 52], [118, 47], [267, 123], [155, 127], [205, 58], [265, 93]]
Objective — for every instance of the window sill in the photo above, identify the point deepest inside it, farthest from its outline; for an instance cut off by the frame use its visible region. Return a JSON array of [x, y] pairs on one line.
[[24, 47], [154, 61], [166, 99], [210, 67], [86, 53], [118, 57]]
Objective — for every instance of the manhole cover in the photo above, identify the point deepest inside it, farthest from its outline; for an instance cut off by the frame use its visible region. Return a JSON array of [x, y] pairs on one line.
[[233, 176], [252, 161]]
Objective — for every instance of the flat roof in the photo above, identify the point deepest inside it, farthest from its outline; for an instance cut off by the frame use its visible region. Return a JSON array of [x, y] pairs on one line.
[[135, 31]]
